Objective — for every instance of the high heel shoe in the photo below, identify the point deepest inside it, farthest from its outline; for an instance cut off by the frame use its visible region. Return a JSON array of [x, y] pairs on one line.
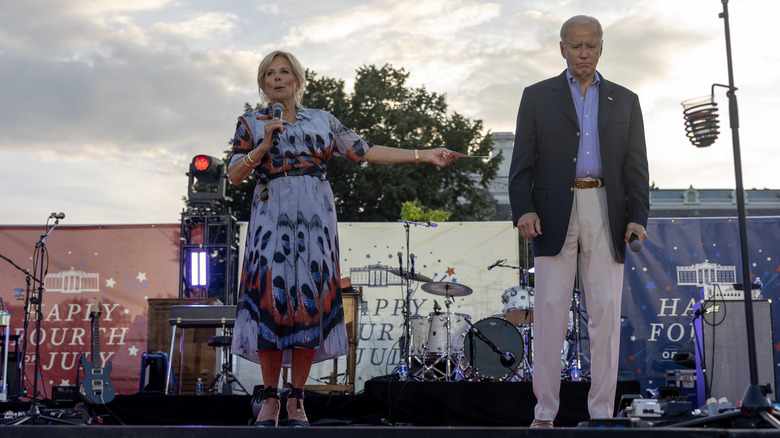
[[269, 410], [296, 416]]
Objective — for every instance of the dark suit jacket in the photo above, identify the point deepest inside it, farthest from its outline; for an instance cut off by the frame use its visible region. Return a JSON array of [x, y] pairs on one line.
[[541, 176]]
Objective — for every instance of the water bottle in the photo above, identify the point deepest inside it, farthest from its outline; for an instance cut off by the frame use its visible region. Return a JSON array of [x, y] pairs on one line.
[[199, 387], [575, 372], [403, 370]]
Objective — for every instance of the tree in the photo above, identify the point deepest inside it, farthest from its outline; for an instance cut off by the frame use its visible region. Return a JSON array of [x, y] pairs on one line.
[[384, 111]]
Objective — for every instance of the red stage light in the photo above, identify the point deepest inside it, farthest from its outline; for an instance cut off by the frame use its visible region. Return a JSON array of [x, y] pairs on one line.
[[201, 162]]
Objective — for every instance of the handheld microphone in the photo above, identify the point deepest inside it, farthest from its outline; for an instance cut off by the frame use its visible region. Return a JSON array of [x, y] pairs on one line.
[[57, 216], [278, 108], [498, 262], [634, 243], [507, 359]]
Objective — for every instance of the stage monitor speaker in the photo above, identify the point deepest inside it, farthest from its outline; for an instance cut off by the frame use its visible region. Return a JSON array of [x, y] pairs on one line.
[[153, 368], [725, 347]]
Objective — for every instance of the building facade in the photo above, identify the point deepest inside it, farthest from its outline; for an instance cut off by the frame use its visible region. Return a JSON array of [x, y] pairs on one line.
[[690, 202]]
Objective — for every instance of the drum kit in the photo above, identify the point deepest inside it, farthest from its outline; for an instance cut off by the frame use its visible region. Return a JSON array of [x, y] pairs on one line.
[[447, 346]]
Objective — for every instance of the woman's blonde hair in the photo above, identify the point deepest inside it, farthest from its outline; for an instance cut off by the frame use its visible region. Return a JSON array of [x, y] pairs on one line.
[[297, 70]]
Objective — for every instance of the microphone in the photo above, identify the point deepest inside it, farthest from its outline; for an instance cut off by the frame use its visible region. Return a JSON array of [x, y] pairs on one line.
[[436, 307], [507, 359], [701, 121], [498, 262], [57, 216], [278, 108], [634, 243]]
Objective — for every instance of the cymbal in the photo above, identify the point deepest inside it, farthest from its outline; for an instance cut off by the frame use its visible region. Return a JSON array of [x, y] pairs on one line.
[[407, 275], [447, 289]]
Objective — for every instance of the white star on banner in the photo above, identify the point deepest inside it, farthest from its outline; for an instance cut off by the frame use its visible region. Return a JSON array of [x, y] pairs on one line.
[[110, 282], [141, 276], [65, 382], [133, 351]]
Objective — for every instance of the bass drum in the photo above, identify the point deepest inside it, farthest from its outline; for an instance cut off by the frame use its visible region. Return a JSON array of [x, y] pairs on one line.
[[484, 361]]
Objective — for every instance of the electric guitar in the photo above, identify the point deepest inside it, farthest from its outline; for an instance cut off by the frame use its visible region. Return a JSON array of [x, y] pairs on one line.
[[96, 387]]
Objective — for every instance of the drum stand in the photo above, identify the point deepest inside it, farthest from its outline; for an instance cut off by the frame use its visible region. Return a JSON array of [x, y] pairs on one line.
[[526, 369], [574, 369], [448, 357]]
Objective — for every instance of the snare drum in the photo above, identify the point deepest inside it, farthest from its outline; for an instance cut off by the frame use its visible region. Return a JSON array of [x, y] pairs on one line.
[[518, 305]]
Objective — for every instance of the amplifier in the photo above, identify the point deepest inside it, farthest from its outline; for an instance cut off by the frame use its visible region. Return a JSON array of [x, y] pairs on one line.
[[727, 292]]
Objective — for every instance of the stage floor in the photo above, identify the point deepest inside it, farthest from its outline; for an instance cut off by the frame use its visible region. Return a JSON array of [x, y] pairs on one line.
[[383, 409]]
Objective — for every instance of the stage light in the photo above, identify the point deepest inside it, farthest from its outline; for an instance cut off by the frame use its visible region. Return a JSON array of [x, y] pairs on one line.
[[206, 180], [198, 270], [206, 169]]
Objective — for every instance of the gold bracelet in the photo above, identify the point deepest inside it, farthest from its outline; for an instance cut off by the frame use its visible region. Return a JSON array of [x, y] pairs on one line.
[[243, 160], [250, 159], [416, 156]]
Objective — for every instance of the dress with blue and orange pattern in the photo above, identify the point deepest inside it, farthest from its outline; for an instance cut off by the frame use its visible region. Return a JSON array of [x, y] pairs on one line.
[[289, 288]]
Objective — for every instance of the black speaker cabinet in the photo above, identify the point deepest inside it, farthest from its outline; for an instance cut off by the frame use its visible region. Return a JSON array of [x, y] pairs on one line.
[[724, 340]]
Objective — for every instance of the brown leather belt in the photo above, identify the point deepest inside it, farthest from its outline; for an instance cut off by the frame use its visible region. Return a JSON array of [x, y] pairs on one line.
[[588, 183]]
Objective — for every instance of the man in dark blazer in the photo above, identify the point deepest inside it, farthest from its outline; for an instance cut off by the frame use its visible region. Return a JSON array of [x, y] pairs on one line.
[[578, 186]]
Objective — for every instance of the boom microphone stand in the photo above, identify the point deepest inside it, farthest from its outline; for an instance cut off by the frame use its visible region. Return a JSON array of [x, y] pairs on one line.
[[408, 275], [702, 127]]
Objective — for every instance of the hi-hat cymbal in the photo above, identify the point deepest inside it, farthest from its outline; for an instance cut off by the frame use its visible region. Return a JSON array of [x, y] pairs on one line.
[[447, 289], [407, 275]]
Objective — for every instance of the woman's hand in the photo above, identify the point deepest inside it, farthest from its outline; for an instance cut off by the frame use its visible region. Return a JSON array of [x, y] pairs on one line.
[[439, 156], [272, 125]]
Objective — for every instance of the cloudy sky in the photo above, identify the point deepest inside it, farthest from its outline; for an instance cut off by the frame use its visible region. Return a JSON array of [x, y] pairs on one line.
[[104, 103]]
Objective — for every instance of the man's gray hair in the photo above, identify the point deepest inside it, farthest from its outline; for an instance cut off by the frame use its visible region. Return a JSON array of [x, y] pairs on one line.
[[581, 19]]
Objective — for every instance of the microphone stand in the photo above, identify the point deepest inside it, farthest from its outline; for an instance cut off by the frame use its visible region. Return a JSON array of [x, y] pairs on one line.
[[41, 257], [406, 351], [20, 355], [755, 405]]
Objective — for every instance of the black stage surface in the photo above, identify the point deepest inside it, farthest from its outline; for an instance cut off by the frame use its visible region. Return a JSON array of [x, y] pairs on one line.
[[384, 409]]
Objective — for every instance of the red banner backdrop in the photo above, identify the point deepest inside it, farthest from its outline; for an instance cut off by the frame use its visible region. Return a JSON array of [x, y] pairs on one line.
[[122, 265]]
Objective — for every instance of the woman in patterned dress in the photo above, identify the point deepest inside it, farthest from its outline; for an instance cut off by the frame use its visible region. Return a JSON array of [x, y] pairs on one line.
[[290, 311]]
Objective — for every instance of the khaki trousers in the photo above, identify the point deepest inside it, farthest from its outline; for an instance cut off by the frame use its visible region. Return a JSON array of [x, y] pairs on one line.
[[602, 285]]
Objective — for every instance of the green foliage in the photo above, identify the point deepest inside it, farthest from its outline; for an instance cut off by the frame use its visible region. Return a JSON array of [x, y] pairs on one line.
[[416, 212], [384, 111]]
